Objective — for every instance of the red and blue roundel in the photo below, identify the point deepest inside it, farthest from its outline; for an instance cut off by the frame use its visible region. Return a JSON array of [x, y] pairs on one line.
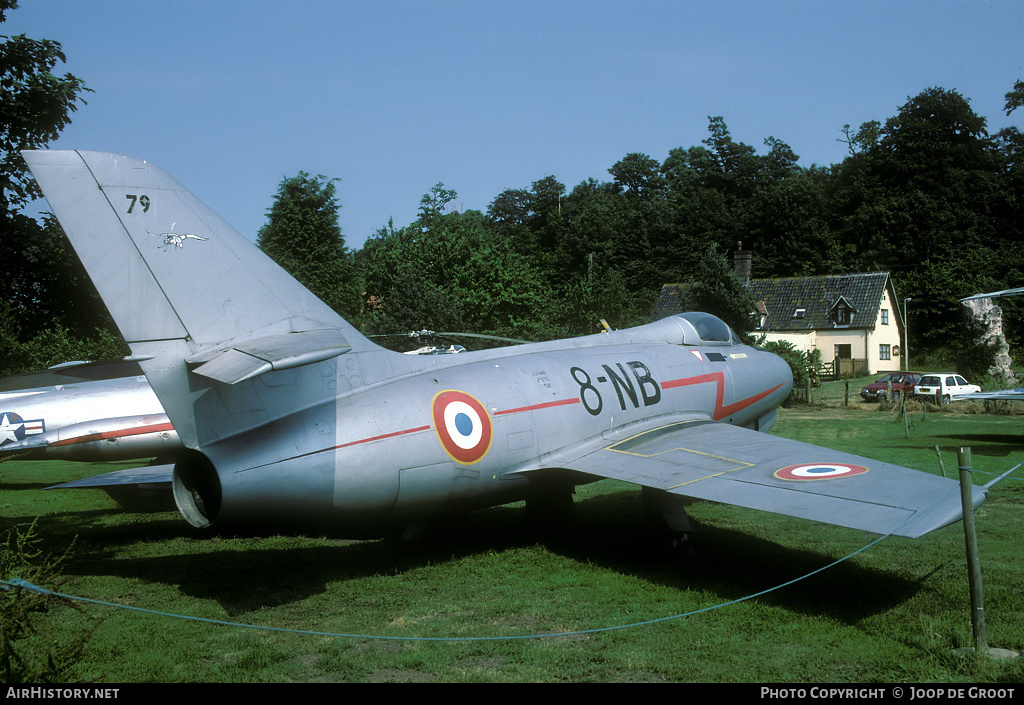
[[462, 425], [819, 471]]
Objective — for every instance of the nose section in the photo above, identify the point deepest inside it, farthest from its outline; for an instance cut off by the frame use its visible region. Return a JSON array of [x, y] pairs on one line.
[[777, 373]]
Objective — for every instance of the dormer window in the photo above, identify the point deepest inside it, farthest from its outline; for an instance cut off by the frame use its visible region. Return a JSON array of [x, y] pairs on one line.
[[800, 313], [842, 313]]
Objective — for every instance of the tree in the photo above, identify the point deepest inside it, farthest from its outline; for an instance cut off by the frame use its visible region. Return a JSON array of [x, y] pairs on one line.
[[35, 106], [639, 176], [926, 194], [714, 288], [928, 200], [863, 139], [46, 293], [799, 362], [303, 236], [455, 272], [1015, 98]]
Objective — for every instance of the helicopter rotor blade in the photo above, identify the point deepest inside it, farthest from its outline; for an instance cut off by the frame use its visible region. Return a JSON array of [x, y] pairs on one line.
[[430, 333], [487, 337]]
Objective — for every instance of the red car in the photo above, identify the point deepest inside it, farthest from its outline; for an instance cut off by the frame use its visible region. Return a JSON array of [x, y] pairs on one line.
[[901, 383]]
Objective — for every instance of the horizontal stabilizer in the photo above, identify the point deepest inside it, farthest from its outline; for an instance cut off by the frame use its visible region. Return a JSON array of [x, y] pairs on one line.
[[245, 360], [150, 475], [68, 374]]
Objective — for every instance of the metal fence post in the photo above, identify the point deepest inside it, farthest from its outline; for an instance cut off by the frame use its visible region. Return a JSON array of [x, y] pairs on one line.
[[973, 564]]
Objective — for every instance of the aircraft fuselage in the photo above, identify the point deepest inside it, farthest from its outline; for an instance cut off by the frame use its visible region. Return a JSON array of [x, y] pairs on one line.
[[446, 434], [92, 422]]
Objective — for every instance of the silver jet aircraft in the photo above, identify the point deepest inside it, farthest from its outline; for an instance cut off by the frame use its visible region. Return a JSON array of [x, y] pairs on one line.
[[84, 411], [292, 417]]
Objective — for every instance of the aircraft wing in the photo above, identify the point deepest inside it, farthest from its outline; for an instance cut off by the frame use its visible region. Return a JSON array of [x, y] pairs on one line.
[[1002, 394], [733, 465], [69, 374], [996, 294]]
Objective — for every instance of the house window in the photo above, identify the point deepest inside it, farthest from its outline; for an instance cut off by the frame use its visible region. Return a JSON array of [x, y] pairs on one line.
[[884, 352], [800, 313], [843, 315], [843, 352], [885, 316]]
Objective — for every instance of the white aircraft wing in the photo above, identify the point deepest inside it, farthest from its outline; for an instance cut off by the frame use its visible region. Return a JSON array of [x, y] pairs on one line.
[[1002, 394], [996, 294], [733, 465]]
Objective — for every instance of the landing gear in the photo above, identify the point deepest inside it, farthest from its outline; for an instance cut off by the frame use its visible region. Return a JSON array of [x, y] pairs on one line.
[[549, 507], [666, 512]]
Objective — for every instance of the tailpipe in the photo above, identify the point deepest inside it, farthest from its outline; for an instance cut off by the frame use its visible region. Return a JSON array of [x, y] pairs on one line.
[[197, 489]]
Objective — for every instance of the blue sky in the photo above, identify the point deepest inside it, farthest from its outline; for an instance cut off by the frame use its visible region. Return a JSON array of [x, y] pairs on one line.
[[392, 97]]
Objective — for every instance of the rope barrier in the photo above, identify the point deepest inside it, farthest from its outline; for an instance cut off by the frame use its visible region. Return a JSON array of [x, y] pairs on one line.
[[19, 583]]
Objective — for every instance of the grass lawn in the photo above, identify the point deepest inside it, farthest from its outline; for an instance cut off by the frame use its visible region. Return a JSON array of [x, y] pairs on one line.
[[538, 608]]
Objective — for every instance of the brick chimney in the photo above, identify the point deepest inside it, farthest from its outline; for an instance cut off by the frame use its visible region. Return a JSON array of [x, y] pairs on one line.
[[741, 263]]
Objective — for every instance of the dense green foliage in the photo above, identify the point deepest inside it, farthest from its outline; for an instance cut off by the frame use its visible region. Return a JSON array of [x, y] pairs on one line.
[[303, 236], [29, 650], [48, 308], [927, 194], [798, 360]]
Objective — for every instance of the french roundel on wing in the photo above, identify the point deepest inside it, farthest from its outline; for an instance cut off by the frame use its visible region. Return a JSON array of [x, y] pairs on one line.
[[819, 471], [462, 425]]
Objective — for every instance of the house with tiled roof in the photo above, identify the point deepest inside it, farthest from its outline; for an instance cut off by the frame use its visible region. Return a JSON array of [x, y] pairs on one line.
[[852, 319]]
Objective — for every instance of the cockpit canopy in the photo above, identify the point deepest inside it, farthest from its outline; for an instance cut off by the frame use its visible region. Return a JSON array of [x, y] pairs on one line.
[[690, 328], [699, 328], [709, 329]]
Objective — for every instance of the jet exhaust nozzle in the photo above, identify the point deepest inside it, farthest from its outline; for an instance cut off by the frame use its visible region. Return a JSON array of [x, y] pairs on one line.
[[197, 490]]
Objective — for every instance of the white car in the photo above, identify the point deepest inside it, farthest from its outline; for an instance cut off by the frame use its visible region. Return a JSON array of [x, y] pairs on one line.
[[943, 387]]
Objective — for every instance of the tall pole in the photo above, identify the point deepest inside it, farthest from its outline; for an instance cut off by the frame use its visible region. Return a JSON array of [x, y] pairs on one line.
[[906, 338], [973, 564]]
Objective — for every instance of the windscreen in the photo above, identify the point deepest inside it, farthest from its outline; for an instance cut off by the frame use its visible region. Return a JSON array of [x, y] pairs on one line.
[[711, 329]]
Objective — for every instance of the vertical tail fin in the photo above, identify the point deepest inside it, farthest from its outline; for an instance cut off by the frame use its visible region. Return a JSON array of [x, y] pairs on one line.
[[166, 265], [185, 288]]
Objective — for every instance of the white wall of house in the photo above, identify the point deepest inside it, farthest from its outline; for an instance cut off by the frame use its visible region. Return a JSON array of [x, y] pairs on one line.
[[886, 336], [804, 340]]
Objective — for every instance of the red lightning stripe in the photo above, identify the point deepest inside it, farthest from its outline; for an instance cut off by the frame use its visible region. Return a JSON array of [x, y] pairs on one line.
[[721, 410]]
